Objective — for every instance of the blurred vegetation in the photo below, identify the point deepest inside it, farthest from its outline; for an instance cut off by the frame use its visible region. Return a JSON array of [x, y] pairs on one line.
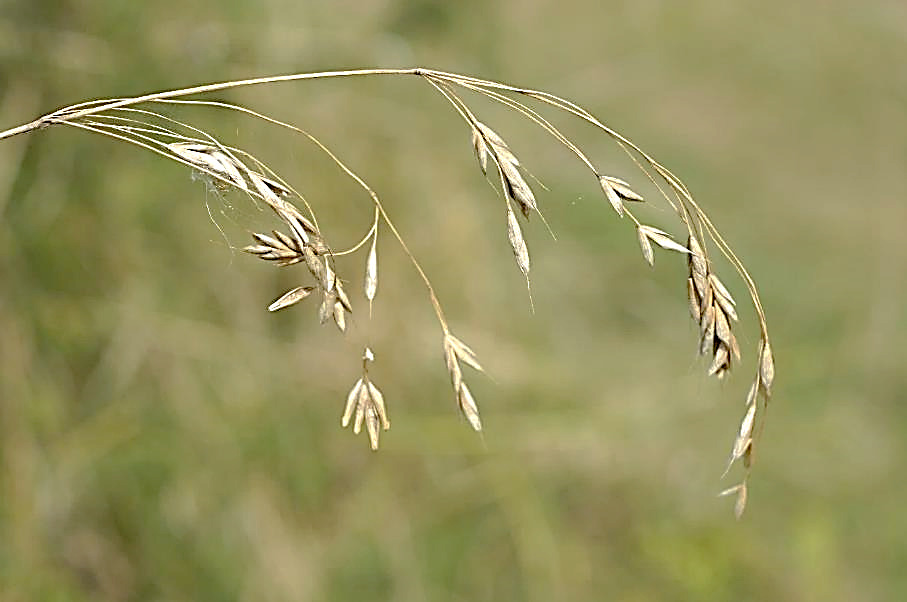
[[164, 438]]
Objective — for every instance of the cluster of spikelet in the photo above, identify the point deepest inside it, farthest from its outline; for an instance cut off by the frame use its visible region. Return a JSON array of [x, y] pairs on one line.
[[712, 306]]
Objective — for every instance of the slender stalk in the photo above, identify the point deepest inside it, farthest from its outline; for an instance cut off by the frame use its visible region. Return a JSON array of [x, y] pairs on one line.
[[73, 112]]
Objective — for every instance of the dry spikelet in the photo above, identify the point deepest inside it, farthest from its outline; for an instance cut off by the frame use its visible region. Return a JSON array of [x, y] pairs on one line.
[[275, 187], [330, 277], [286, 241], [341, 296], [469, 408], [316, 267], [291, 297], [212, 159], [366, 402], [693, 297], [517, 242], [271, 195], [743, 442], [617, 191], [231, 170], [281, 249], [379, 405], [707, 330], [454, 352], [740, 504], [326, 309], [453, 369], [463, 352], [744, 437], [352, 401], [371, 270], [192, 152], [498, 147], [722, 327], [646, 246], [515, 187], [371, 423], [699, 269], [719, 364], [766, 367], [712, 306], [339, 316], [303, 230], [725, 301], [663, 239], [481, 150]]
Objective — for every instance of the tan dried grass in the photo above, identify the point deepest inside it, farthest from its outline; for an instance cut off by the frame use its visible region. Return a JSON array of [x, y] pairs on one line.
[[712, 307]]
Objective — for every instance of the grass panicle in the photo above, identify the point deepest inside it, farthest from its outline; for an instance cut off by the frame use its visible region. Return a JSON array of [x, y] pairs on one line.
[[141, 121]]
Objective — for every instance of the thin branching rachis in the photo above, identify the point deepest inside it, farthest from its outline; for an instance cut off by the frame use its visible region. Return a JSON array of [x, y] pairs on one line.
[[139, 121]]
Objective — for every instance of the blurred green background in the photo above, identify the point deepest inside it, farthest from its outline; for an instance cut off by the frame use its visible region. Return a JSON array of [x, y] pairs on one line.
[[164, 438]]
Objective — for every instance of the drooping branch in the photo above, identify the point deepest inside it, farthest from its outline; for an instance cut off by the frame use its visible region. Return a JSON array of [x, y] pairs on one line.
[[225, 166]]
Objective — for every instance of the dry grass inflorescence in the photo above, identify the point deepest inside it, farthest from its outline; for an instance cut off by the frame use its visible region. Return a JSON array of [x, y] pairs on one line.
[[141, 121]]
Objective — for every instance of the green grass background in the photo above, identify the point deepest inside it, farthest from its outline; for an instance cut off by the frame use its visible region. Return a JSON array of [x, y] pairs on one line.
[[164, 438]]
